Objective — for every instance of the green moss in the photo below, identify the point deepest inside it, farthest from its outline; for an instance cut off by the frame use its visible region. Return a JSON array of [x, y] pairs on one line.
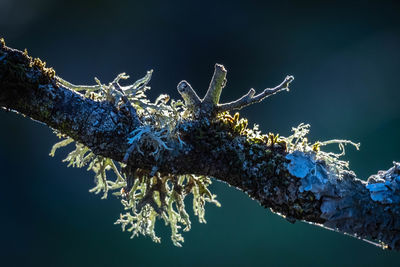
[[41, 65], [23, 64]]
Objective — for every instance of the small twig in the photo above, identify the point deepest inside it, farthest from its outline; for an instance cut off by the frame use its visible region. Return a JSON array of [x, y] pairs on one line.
[[249, 98], [209, 105], [192, 100], [217, 83]]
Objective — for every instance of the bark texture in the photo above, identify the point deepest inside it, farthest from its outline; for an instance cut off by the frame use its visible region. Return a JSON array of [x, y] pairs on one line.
[[295, 184]]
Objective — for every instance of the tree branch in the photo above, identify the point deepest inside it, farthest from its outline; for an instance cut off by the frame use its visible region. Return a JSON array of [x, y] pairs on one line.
[[250, 98], [217, 83], [291, 177]]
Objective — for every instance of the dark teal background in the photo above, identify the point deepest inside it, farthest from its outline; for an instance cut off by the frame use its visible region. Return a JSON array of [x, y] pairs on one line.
[[345, 57]]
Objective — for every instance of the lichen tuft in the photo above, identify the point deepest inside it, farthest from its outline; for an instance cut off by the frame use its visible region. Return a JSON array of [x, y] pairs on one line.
[[145, 195]]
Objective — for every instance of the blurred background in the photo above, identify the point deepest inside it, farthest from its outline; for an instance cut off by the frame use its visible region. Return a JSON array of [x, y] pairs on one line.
[[345, 57]]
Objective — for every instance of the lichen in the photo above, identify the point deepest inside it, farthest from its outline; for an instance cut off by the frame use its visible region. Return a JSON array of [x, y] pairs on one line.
[[312, 165], [145, 195], [298, 141], [384, 187], [163, 196], [148, 195], [313, 176]]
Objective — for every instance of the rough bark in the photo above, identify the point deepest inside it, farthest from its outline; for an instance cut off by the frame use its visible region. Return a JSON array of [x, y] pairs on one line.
[[293, 184]]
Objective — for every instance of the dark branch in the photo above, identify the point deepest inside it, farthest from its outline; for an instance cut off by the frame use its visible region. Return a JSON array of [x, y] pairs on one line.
[[28, 88], [294, 184]]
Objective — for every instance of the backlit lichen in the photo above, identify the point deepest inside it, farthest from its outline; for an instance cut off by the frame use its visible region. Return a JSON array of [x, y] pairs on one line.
[[298, 141], [148, 195], [384, 187], [145, 195]]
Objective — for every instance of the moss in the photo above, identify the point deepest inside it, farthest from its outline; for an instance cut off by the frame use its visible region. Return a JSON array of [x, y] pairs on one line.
[[41, 65], [25, 68]]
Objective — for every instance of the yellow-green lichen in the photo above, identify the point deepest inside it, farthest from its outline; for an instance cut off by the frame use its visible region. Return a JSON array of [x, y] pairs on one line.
[[150, 198], [298, 141], [146, 195], [41, 65]]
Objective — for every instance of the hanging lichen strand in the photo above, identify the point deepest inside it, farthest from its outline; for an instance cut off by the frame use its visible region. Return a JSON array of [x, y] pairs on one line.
[[145, 196], [154, 150], [148, 195]]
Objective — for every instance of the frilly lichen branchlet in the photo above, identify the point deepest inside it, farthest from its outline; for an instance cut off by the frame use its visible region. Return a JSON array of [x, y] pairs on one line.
[[163, 196], [145, 195], [313, 166], [148, 195], [298, 141]]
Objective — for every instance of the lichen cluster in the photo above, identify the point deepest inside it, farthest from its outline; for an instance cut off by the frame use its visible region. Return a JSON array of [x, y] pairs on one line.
[[384, 187], [290, 175], [164, 196], [315, 168], [149, 194], [298, 141], [145, 195]]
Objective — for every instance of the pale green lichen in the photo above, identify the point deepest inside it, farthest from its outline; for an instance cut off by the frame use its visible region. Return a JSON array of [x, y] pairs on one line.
[[148, 195], [164, 196], [145, 195], [298, 141]]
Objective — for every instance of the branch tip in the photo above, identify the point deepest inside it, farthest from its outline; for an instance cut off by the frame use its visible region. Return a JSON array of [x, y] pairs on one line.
[[210, 103], [218, 82], [220, 67], [286, 82], [188, 94], [251, 98]]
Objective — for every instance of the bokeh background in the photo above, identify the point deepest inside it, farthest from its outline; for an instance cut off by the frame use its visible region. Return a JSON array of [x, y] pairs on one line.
[[345, 57]]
